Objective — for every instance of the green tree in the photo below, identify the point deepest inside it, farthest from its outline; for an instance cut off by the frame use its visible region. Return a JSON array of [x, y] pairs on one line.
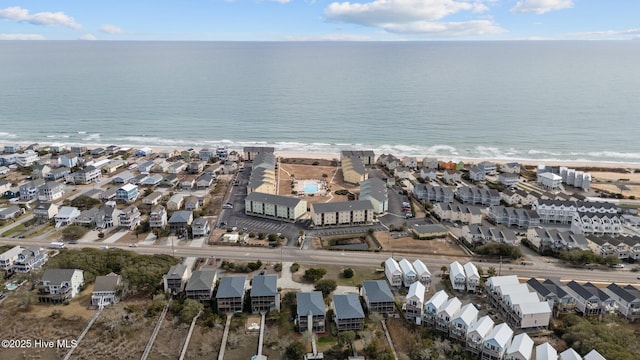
[[314, 274], [346, 337], [295, 351], [492, 271], [190, 308], [347, 273], [294, 267], [326, 286]]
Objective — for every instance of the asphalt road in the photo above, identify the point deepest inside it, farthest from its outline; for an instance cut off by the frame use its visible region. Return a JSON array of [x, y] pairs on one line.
[[324, 257]]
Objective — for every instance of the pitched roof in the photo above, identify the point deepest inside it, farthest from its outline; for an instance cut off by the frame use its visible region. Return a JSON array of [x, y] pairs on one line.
[[570, 354], [467, 314], [310, 303], [181, 216], [202, 280], [57, 276], [416, 290], [377, 291], [231, 287], [347, 306], [521, 344], [483, 326], [546, 352], [438, 299], [594, 355], [176, 271], [107, 283], [420, 267], [501, 334], [264, 285]]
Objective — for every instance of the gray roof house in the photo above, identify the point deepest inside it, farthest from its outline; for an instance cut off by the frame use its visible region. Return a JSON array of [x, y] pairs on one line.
[[200, 286], [60, 285], [264, 293], [180, 220], [311, 312], [348, 313], [105, 290], [176, 278], [230, 294], [378, 297]]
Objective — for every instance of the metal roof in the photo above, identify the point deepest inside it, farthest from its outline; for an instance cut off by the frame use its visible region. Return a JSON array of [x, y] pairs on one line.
[[347, 306], [231, 287], [377, 291], [310, 303]]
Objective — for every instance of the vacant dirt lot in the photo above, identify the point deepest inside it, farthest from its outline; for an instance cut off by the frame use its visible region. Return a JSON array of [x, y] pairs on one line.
[[409, 244]]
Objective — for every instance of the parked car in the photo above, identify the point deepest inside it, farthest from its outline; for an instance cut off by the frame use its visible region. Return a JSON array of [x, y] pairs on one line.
[[227, 206]]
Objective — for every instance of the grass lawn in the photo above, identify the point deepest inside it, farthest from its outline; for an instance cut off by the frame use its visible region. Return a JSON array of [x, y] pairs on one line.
[[360, 274], [16, 229]]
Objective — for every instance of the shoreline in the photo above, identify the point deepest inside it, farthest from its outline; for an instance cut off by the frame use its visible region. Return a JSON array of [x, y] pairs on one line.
[[336, 155]]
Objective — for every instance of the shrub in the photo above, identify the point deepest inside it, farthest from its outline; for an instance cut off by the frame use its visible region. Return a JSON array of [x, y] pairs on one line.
[[294, 267], [277, 267], [314, 274], [326, 287], [347, 273]]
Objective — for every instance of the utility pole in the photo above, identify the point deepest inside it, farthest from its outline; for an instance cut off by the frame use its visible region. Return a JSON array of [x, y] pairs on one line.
[[500, 267]]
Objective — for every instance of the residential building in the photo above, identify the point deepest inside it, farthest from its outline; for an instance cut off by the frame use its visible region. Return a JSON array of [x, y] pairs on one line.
[[66, 215], [127, 193], [496, 343], [556, 241], [481, 234], [488, 167], [389, 161], [45, 211], [366, 156], [462, 322], [4, 185], [521, 348], [549, 180], [250, 152], [187, 183], [196, 167], [393, 273], [30, 189], [494, 283], [348, 313], [414, 302], [264, 294], [124, 177], [12, 212], [402, 172], [153, 198], [429, 231], [109, 194], [353, 170], [433, 193], [180, 220], [57, 174], [452, 176], [510, 216], [589, 300], [230, 295], [562, 211], [569, 354], [175, 202], [175, 280], [409, 275], [477, 332], [627, 300], [12, 148], [262, 180], [446, 313], [106, 290], [342, 213], [200, 227], [378, 297], [60, 285], [158, 217], [274, 206], [473, 277], [311, 313], [474, 195], [593, 355], [597, 224], [145, 151], [200, 286], [129, 218], [191, 203], [512, 167], [204, 181], [546, 352], [428, 174], [532, 315], [423, 274], [206, 154], [457, 276], [508, 179], [554, 293], [87, 175], [477, 174], [40, 171], [375, 190], [433, 306], [430, 163], [455, 212], [8, 257], [575, 178]]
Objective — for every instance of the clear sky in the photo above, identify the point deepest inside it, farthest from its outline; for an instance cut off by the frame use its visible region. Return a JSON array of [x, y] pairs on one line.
[[287, 20]]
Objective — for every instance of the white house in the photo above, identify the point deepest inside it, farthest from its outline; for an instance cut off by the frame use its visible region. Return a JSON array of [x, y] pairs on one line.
[[105, 290], [521, 348], [393, 272], [415, 302], [497, 342], [60, 285], [478, 332], [546, 352], [409, 275], [532, 315], [66, 215], [569, 354], [175, 202], [457, 276], [8, 257], [472, 275], [462, 322], [433, 306], [422, 273], [549, 180], [594, 355], [446, 313]]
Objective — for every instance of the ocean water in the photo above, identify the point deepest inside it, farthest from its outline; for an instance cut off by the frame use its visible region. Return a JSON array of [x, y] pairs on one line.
[[508, 100]]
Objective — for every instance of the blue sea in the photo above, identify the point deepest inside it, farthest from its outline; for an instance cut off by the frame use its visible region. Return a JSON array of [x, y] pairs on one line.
[[539, 100]]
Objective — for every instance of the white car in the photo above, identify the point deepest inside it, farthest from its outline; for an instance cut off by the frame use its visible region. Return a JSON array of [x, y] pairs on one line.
[[227, 206], [133, 245]]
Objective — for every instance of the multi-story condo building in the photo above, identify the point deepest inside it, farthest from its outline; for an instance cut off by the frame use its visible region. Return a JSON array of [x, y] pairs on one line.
[[562, 211], [596, 223], [433, 193], [510, 216], [474, 195], [357, 212]]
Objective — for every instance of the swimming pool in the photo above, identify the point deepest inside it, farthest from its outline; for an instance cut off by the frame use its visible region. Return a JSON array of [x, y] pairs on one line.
[[310, 187]]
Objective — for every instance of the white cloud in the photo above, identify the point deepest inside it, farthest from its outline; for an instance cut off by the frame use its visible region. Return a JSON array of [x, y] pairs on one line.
[[16, 13], [398, 11], [21, 37], [111, 29], [447, 29], [540, 6], [89, 37], [617, 34]]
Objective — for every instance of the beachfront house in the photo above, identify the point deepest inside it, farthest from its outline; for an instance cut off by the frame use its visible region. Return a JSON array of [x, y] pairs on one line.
[[311, 313], [348, 313], [452, 176], [497, 342], [508, 179], [87, 175], [200, 286], [546, 352], [375, 190], [30, 258], [264, 294], [462, 322], [106, 290], [378, 297], [60, 285], [393, 273], [414, 302], [230, 294], [477, 174], [549, 180], [353, 170], [177, 277], [433, 306]]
